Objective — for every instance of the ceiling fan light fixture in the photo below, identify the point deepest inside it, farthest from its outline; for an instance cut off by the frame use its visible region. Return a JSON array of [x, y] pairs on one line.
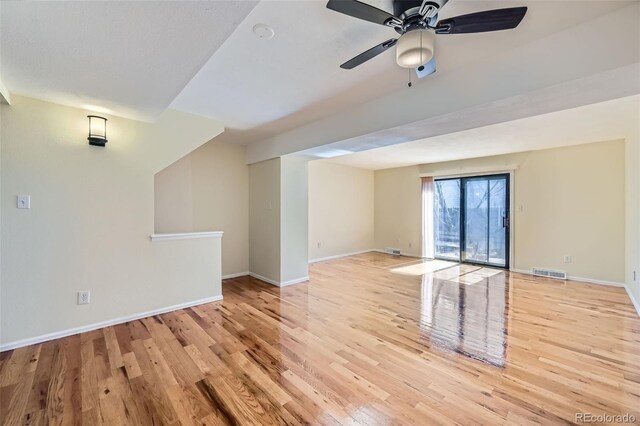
[[415, 48]]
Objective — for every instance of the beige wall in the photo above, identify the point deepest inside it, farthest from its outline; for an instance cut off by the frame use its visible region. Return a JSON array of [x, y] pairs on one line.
[[568, 201], [264, 219], [398, 210], [632, 168], [208, 190], [173, 198], [341, 206], [90, 220], [0, 220], [278, 220], [294, 220]]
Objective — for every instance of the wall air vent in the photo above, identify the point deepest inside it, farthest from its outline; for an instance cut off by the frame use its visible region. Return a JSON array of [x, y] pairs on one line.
[[549, 273], [393, 251]]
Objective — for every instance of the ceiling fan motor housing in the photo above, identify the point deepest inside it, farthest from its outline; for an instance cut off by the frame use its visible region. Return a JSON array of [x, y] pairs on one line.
[[402, 6], [427, 9]]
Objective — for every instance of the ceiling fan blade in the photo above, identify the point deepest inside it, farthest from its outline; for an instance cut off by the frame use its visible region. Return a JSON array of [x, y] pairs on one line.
[[369, 54], [361, 11], [480, 22], [427, 69]]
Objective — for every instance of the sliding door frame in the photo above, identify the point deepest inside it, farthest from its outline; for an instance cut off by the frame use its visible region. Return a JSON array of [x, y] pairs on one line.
[[463, 218], [509, 235]]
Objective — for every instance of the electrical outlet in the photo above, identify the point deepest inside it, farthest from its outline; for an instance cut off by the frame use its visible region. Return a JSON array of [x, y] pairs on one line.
[[318, 244], [84, 297], [24, 202], [410, 245], [567, 259]]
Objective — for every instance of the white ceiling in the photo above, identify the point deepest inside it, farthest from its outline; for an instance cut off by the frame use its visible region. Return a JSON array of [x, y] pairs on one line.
[[592, 123], [133, 58], [259, 87], [127, 58]]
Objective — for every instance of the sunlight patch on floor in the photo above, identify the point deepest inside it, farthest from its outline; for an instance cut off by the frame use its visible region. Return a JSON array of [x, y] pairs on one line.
[[423, 267]]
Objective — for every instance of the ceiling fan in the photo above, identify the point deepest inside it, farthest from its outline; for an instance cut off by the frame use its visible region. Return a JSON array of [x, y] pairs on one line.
[[417, 23]]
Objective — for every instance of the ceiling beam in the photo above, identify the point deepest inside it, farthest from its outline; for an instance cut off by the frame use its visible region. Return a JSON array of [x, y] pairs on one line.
[[613, 84]]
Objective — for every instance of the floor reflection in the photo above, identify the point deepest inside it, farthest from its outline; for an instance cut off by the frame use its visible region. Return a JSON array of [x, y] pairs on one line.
[[422, 268], [464, 309]]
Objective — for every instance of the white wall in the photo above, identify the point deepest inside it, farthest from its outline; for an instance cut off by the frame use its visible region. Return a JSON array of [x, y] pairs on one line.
[[572, 198], [208, 190], [90, 220], [340, 209], [264, 219]]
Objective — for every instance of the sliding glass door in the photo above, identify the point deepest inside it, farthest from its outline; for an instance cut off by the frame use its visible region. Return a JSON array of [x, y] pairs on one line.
[[485, 220], [471, 219], [446, 217]]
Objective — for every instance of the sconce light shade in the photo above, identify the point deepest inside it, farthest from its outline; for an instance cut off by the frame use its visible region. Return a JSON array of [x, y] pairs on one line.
[[97, 130]]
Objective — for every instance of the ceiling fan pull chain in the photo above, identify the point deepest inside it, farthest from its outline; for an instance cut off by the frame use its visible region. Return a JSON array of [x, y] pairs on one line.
[[409, 84]]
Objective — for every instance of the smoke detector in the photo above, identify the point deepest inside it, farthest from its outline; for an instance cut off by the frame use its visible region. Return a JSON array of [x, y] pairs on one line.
[[263, 31]]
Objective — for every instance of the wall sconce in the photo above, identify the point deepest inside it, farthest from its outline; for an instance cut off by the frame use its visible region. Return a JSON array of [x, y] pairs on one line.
[[97, 130]]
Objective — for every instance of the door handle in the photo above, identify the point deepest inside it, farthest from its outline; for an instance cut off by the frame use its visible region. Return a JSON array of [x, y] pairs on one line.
[[505, 221]]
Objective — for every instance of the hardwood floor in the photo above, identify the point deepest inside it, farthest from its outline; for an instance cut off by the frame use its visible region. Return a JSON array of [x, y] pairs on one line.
[[371, 339]]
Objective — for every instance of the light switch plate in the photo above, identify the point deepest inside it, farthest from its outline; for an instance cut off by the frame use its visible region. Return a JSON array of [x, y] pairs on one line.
[[24, 201]]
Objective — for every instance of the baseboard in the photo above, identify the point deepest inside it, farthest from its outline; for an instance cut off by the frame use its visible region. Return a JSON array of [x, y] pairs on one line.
[[276, 283], [635, 302], [102, 324], [236, 275], [338, 256], [578, 279], [599, 282], [296, 281], [265, 279]]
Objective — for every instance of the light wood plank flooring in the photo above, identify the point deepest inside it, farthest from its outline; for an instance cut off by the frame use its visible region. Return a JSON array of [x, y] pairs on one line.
[[371, 339]]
